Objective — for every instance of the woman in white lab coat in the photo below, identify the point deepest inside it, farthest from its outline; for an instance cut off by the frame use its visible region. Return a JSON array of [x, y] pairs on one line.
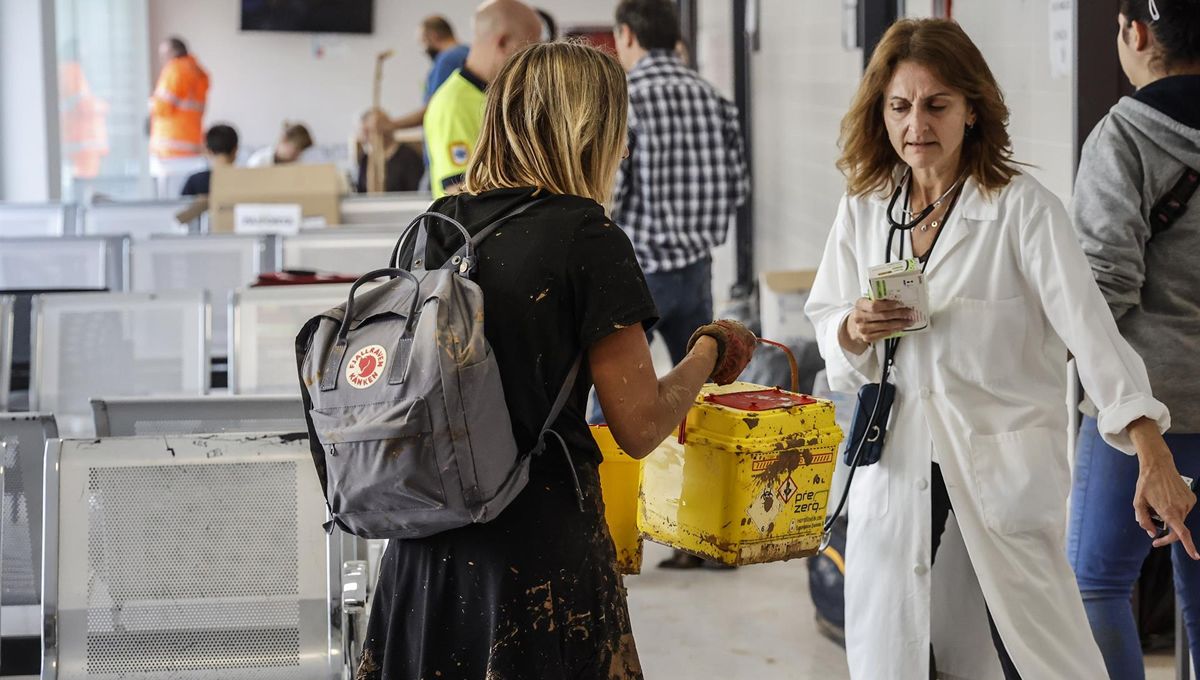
[[979, 425]]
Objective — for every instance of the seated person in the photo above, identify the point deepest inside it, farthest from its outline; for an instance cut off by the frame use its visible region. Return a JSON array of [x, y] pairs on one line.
[[293, 142], [403, 167], [221, 147]]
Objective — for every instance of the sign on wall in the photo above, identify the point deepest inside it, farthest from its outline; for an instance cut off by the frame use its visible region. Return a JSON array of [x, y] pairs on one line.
[[1062, 35]]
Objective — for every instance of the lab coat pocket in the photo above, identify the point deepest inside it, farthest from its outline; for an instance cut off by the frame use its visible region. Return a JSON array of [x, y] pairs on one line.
[[985, 338], [1021, 479]]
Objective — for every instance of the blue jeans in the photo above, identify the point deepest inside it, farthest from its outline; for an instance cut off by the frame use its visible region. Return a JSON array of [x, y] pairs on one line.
[[684, 301], [1106, 547]]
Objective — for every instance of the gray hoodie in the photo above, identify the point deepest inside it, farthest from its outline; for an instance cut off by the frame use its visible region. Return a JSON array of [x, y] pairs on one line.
[[1131, 159]]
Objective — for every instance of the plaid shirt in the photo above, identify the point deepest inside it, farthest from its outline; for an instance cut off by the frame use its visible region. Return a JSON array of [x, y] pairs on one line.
[[686, 174]]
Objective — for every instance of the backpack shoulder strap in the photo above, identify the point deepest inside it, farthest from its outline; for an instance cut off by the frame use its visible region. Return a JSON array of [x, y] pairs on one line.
[[560, 402], [1170, 207], [564, 393]]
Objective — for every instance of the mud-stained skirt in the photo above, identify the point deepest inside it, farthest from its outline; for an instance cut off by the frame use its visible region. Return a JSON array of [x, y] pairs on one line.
[[532, 594]]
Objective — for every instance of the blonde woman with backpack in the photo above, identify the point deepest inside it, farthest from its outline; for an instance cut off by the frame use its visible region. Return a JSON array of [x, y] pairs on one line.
[[534, 593]]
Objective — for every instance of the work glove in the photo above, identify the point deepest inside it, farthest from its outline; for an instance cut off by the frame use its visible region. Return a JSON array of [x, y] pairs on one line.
[[735, 348]]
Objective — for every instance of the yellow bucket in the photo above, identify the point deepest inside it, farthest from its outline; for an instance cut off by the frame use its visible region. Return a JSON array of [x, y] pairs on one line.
[[619, 484], [750, 484]]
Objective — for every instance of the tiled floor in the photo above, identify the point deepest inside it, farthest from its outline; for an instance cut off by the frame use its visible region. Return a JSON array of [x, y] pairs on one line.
[[755, 623]]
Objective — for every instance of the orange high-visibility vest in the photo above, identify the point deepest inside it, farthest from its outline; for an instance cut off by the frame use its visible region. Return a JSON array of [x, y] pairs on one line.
[[177, 109], [84, 130]]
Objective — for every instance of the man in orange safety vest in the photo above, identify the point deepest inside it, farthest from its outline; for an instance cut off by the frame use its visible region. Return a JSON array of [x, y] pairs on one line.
[[176, 118]]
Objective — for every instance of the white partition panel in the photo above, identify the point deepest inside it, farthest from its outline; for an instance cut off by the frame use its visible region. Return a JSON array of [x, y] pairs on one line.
[[139, 219], [64, 263], [265, 324], [219, 264], [342, 251], [115, 344], [35, 219], [396, 209]]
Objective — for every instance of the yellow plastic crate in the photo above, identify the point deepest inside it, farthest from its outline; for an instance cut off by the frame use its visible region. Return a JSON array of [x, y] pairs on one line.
[[619, 474], [750, 484]]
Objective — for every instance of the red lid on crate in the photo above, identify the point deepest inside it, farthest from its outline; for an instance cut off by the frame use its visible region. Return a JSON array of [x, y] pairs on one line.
[[760, 400]]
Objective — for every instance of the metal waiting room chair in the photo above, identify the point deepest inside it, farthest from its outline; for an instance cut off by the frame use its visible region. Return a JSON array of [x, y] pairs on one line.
[[195, 556], [24, 435], [115, 344], [132, 416], [6, 348]]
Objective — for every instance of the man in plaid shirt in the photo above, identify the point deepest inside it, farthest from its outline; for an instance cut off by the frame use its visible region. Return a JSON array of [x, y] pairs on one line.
[[683, 180], [685, 175]]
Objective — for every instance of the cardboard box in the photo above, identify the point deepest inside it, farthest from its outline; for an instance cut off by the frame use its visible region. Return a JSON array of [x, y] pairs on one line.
[[316, 189], [781, 298]]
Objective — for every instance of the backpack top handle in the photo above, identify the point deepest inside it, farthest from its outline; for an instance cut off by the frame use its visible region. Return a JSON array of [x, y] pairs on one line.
[[418, 222], [333, 362]]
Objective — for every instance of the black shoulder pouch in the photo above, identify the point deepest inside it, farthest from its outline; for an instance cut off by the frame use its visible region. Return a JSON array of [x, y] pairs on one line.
[[870, 423], [868, 430]]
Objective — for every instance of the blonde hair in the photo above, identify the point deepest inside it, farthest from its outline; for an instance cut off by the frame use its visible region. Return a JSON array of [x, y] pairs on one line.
[[868, 159], [555, 119]]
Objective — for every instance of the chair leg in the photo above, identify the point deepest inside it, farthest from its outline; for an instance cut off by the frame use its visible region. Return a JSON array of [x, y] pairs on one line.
[[354, 609]]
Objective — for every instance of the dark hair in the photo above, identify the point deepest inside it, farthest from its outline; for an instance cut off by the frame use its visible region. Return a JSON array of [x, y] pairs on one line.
[[655, 23], [221, 140], [868, 159], [549, 24], [438, 26], [178, 47], [1177, 30]]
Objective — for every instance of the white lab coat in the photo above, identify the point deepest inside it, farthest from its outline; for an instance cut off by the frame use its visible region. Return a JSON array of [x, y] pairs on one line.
[[981, 392]]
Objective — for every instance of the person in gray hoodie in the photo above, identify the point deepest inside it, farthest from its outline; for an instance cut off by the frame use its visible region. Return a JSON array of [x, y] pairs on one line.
[[1137, 155]]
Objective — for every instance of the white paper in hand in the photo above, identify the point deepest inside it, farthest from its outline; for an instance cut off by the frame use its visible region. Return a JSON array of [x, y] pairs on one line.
[[903, 282]]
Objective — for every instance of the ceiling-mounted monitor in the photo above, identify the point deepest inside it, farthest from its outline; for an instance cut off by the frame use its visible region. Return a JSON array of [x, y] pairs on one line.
[[308, 16]]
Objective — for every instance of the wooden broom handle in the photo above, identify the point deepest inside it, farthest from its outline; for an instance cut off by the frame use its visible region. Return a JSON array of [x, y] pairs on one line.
[[376, 155]]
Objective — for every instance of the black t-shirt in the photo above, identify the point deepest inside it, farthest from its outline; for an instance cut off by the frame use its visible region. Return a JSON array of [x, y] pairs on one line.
[[555, 280]]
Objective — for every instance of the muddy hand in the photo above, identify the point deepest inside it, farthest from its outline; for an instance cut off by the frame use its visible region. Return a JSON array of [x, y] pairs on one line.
[[735, 348]]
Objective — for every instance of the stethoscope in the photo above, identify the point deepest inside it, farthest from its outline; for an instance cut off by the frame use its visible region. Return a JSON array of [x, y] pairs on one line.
[[901, 188]]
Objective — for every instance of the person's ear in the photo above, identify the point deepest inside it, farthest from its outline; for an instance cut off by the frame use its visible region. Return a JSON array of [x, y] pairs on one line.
[[1140, 34], [625, 35]]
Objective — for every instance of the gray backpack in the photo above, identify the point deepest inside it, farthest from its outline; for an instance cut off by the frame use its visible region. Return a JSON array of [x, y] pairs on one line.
[[407, 421]]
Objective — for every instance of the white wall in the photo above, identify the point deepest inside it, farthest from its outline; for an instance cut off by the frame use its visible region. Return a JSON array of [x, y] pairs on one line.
[[260, 79], [29, 164], [1014, 37], [804, 80]]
